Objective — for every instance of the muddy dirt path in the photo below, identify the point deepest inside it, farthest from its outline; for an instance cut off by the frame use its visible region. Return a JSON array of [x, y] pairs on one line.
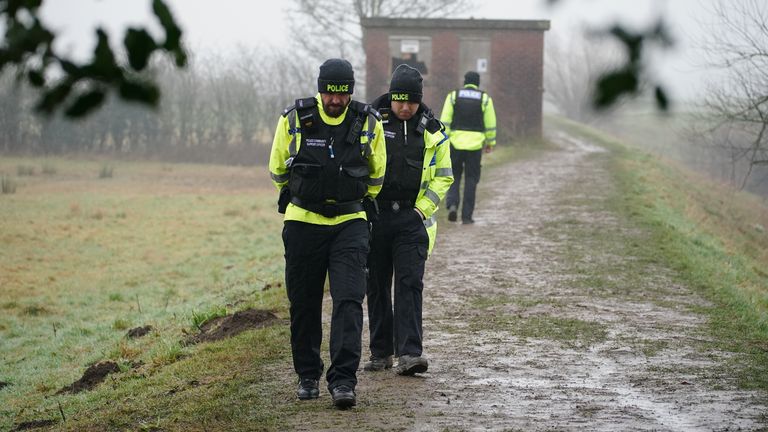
[[538, 317]]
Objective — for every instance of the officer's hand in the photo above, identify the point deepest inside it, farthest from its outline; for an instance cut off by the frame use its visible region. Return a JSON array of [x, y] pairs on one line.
[[371, 209], [488, 149]]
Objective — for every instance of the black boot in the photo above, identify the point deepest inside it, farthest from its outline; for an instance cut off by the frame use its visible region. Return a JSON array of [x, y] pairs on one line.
[[378, 364], [452, 216], [343, 396], [409, 365], [308, 389]]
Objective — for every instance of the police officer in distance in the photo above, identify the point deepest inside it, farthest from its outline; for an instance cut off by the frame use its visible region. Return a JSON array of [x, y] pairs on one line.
[[417, 177], [327, 158], [469, 116]]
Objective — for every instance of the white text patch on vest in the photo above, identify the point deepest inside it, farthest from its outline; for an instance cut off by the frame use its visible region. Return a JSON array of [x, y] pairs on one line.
[[389, 134], [470, 94], [315, 142]]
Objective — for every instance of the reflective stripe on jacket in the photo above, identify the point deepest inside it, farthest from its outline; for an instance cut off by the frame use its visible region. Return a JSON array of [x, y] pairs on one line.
[[436, 178]]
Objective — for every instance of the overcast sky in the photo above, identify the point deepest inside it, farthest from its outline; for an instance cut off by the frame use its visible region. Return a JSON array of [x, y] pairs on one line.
[[223, 24]]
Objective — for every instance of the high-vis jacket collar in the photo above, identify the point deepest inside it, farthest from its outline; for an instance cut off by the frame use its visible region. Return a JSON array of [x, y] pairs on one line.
[[333, 121]]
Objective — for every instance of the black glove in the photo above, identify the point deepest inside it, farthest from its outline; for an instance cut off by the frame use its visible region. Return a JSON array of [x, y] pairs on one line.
[[371, 209]]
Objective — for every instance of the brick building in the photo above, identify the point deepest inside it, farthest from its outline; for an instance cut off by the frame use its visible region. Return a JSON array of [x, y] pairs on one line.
[[508, 55]]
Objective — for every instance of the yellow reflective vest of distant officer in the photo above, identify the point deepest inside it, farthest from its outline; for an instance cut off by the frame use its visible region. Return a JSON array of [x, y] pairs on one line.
[[470, 138], [371, 136]]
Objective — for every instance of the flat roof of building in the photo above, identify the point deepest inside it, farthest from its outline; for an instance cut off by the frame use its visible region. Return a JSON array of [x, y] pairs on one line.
[[473, 24]]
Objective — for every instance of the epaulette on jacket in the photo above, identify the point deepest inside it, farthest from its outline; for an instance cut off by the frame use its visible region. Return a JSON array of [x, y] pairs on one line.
[[300, 104], [364, 108], [371, 110]]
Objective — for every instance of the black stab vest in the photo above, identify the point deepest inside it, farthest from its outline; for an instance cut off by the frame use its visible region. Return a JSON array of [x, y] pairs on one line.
[[468, 110], [330, 163], [405, 150]]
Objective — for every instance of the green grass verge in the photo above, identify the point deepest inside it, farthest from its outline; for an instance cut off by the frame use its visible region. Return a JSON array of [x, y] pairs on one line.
[[569, 332], [84, 259], [488, 316], [713, 237], [517, 151]]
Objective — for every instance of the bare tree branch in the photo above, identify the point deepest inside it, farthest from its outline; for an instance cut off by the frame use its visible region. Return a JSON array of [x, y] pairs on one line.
[[571, 68], [328, 28], [737, 44]]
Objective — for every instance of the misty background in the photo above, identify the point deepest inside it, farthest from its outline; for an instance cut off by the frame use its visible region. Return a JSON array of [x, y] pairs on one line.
[[249, 60]]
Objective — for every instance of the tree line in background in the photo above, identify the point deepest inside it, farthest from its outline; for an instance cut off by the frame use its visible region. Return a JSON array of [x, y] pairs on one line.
[[213, 108], [221, 108]]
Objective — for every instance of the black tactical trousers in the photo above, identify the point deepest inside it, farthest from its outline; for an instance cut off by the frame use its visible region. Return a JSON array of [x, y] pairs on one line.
[[469, 161], [398, 245], [311, 252]]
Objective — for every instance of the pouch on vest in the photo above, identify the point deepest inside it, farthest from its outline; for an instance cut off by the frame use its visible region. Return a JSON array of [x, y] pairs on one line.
[[412, 174], [351, 183], [305, 182]]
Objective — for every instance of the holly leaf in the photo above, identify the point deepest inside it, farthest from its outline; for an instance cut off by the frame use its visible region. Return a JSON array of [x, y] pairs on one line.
[[661, 98], [85, 103], [611, 86], [139, 91], [139, 45]]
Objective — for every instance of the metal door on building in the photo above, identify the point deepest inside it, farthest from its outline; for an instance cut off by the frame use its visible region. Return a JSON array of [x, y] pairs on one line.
[[415, 51], [475, 55]]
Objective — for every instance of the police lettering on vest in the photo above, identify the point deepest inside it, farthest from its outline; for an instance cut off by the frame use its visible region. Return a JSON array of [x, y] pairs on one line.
[[470, 94], [468, 110], [337, 88], [400, 97]]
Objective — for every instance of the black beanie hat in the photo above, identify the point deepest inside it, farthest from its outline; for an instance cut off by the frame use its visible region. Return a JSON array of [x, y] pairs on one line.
[[405, 85], [472, 77], [336, 76]]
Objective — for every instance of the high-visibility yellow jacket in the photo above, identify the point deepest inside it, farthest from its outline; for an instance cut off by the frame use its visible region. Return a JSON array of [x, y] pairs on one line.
[[436, 178], [377, 162], [470, 140]]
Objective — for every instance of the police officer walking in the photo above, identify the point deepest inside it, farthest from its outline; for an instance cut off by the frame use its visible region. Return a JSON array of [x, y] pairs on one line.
[[469, 116], [327, 157], [417, 177]]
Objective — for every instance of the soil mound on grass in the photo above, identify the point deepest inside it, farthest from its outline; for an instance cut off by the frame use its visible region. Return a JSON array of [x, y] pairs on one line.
[[231, 325], [34, 424], [92, 377], [139, 331]]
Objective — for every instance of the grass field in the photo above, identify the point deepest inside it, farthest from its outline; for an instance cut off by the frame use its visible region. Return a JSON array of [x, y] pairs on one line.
[[84, 258]]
